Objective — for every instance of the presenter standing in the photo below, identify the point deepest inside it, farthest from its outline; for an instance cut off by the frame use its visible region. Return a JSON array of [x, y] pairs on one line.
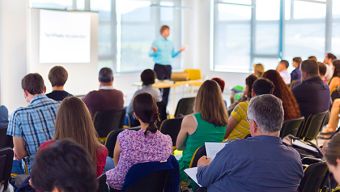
[[163, 51]]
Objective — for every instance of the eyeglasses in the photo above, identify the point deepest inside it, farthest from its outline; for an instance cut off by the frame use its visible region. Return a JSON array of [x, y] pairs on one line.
[[249, 120]]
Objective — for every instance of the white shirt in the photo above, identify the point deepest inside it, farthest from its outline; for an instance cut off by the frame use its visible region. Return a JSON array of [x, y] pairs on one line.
[[329, 71], [285, 76]]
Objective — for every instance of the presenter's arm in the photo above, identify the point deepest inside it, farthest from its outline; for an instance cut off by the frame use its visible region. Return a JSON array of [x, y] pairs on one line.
[[175, 53], [154, 50]]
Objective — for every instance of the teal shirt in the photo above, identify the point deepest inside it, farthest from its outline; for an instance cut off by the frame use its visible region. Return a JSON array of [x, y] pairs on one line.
[[165, 51]]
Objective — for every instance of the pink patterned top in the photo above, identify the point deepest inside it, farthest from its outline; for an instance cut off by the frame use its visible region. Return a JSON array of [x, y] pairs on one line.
[[135, 148]]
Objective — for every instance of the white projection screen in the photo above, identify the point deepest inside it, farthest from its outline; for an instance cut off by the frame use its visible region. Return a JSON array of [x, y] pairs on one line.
[[64, 37]]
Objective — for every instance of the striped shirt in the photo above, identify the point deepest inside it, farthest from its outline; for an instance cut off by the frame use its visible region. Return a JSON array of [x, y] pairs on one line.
[[241, 130], [35, 124]]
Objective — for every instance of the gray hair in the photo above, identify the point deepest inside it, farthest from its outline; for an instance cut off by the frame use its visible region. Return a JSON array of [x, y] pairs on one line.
[[267, 111]]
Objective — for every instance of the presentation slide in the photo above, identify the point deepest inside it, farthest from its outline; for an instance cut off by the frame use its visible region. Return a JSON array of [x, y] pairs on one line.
[[65, 37]]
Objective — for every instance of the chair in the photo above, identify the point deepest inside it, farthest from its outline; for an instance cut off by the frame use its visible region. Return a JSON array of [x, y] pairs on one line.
[[312, 126], [106, 121], [5, 140], [102, 185], [153, 177], [193, 74], [6, 160], [112, 139], [291, 127], [314, 177], [184, 107], [172, 127], [161, 110], [197, 155]]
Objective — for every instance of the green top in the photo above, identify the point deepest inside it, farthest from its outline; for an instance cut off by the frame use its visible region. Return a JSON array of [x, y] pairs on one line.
[[205, 132]]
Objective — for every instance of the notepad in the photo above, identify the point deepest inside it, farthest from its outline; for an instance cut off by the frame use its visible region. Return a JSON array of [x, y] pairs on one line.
[[212, 148], [192, 173], [298, 143]]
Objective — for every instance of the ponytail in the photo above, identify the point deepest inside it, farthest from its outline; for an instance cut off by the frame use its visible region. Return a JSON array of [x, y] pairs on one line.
[[153, 124]]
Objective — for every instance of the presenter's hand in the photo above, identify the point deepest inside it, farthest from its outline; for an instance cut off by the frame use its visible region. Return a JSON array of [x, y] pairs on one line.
[[203, 161], [154, 49], [182, 49]]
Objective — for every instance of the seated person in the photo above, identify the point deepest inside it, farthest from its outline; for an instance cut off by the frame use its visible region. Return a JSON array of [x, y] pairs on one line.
[[106, 98], [147, 144], [74, 122], [322, 72], [221, 83], [259, 163], [3, 116], [58, 77], [333, 119], [332, 156], [334, 83], [32, 125], [282, 68], [258, 70], [313, 58], [64, 166], [328, 61], [295, 75], [207, 124], [238, 126]]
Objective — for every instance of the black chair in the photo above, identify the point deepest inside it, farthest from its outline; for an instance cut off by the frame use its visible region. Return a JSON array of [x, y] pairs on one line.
[[314, 178], [112, 139], [6, 160], [172, 127], [106, 121], [312, 126], [184, 107], [102, 185], [197, 155], [162, 111], [291, 127], [5, 140]]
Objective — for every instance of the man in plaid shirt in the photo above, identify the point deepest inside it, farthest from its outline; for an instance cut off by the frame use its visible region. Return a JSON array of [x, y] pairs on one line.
[[32, 125]]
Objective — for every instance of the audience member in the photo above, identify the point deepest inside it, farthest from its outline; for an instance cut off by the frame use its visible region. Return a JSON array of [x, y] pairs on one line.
[[238, 126], [106, 98], [220, 83], [32, 125], [259, 163], [145, 145], [74, 122], [282, 68], [312, 94], [328, 60], [334, 82], [322, 72], [313, 58], [207, 124], [282, 91], [332, 156], [58, 77], [333, 119], [258, 70], [3, 116], [64, 166], [295, 75]]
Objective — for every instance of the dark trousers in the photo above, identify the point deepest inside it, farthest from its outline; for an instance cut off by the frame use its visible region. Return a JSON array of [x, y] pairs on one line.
[[163, 72]]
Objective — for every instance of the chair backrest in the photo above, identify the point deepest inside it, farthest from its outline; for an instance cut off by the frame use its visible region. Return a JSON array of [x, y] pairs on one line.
[[184, 107], [312, 126], [172, 127], [102, 185], [161, 110], [112, 139], [5, 140], [314, 177], [197, 155], [193, 74], [291, 127], [153, 176], [106, 121], [6, 160]]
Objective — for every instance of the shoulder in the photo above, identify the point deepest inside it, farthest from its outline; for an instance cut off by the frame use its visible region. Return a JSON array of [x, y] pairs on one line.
[[3, 109], [190, 119], [127, 134], [102, 150], [46, 144], [118, 92]]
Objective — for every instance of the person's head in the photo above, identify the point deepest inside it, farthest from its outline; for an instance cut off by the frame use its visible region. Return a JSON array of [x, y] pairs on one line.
[[146, 111], [249, 85], [258, 70], [309, 68], [322, 69], [313, 58], [105, 76], [32, 84], [329, 58], [336, 64], [210, 104], [282, 66], [148, 77], [265, 115], [74, 121], [297, 62], [64, 166], [262, 86], [165, 31], [220, 83], [58, 76], [332, 155]]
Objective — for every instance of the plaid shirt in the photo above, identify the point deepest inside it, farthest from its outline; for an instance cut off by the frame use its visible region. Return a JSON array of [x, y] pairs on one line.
[[34, 123]]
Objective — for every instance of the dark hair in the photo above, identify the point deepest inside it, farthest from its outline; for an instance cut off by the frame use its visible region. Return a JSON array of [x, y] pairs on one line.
[[58, 76], [332, 152], [220, 83], [33, 83], [263, 86], [297, 60], [310, 67], [336, 64], [148, 77], [331, 56], [105, 75], [163, 28], [66, 166], [313, 58], [285, 62], [322, 68], [283, 92], [146, 110], [249, 82]]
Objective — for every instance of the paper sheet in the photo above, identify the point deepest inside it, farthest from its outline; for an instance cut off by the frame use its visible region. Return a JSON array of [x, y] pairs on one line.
[[192, 172], [212, 148], [303, 145]]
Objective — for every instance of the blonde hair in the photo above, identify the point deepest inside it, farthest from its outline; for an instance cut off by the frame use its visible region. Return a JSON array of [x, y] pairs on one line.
[[258, 69], [210, 104], [74, 122]]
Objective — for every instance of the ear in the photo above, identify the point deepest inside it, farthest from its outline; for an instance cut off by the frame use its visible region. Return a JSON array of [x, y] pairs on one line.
[[338, 161], [44, 90], [55, 189], [253, 93], [26, 93]]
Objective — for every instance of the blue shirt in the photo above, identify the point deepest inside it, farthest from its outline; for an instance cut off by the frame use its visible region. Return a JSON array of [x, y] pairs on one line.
[[295, 75], [3, 116], [34, 123], [261, 163], [165, 51]]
